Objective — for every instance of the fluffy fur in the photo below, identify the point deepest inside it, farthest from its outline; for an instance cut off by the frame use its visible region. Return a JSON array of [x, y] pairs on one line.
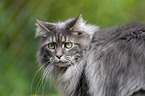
[[116, 61], [68, 77], [105, 63]]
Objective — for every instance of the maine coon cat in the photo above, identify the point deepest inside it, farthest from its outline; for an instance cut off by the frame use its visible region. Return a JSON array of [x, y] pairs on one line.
[[83, 61]]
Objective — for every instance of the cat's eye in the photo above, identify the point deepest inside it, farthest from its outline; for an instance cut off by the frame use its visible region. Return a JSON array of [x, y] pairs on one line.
[[68, 45], [51, 45]]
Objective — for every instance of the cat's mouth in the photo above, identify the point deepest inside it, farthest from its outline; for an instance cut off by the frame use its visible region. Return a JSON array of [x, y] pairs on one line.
[[62, 64]]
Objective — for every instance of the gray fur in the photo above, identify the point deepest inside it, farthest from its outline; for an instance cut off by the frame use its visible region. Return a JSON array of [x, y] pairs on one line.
[[66, 73], [116, 61], [105, 63]]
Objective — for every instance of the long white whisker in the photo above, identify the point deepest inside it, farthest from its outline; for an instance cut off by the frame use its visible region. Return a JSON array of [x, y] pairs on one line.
[[36, 90], [40, 80], [40, 83], [43, 80], [35, 76], [47, 73], [43, 88]]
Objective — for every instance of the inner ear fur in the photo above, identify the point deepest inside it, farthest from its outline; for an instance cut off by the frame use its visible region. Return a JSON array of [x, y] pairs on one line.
[[74, 23], [43, 28], [46, 26]]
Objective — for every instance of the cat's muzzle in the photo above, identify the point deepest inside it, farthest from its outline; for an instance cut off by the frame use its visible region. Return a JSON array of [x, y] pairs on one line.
[[62, 64]]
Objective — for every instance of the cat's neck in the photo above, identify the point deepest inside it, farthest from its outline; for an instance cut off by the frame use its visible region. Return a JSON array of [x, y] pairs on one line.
[[82, 88], [71, 81]]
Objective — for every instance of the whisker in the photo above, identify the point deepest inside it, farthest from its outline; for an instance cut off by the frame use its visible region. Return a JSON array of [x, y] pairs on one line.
[[51, 64], [41, 80], [49, 75], [37, 90], [43, 88], [35, 76], [45, 72]]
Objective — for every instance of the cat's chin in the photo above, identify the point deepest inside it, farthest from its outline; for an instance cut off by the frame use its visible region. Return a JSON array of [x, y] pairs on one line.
[[62, 64]]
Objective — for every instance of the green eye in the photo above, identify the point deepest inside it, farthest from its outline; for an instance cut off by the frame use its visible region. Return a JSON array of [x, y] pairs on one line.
[[51, 45], [68, 45]]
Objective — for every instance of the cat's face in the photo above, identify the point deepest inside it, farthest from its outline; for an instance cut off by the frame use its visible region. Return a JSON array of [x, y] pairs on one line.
[[62, 44], [61, 49]]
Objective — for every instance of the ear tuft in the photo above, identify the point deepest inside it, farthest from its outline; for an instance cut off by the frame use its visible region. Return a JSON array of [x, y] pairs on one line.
[[79, 27], [76, 22], [43, 25], [42, 28]]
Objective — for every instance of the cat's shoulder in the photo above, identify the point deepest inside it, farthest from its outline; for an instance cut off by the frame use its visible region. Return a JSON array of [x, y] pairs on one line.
[[126, 32]]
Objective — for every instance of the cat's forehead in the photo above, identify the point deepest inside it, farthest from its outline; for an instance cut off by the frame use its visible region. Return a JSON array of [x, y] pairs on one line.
[[60, 37], [59, 33], [60, 25]]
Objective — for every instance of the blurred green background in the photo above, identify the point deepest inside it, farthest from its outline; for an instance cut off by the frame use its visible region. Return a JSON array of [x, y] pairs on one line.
[[17, 30]]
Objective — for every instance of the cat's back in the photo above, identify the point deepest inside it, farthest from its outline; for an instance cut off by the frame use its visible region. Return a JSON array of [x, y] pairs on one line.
[[129, 32], [127, 41], [122, 46], [116, 60]]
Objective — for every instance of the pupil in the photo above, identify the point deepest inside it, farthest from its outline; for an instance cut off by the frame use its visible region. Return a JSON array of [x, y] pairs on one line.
[[51, 46], [68, 45]]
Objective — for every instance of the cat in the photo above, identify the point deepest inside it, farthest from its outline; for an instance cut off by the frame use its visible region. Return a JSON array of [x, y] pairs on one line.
[[116, 61], [85, 61]]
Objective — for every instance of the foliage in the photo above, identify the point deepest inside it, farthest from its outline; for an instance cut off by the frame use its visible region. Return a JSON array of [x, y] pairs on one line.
[[17, 29]]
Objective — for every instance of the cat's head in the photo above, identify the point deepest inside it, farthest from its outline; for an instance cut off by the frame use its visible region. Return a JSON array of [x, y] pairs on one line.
[[64, 43]]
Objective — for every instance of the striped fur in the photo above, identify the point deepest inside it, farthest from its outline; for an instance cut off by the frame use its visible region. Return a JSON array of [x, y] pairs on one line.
[[68, 72], [110, 62]]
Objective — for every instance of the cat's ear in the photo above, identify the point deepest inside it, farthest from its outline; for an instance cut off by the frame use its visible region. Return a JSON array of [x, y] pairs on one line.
[[43, 28], [75, 23], [79, 27], [76, 26]]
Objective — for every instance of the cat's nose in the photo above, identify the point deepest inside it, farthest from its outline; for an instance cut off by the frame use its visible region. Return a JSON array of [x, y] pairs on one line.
[[59, 56]]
